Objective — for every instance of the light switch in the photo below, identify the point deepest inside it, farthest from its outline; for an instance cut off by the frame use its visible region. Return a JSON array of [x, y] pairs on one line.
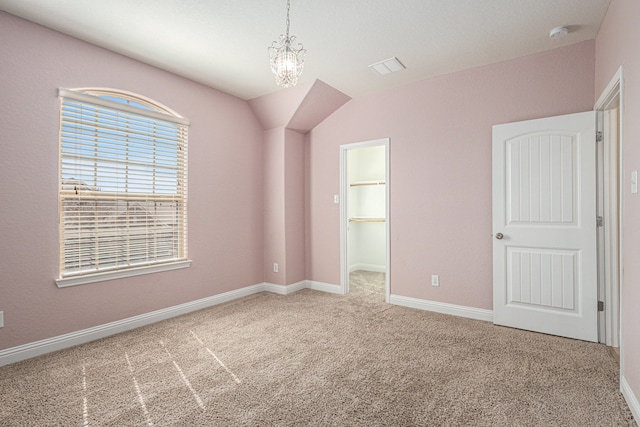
[[336, 198], [634, 182]]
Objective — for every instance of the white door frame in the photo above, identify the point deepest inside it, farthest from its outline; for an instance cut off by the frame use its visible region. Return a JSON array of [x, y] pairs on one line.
[[344, 213], [609, 245]]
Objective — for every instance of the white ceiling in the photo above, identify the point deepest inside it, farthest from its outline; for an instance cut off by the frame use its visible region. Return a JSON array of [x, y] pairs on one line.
[[223, 43]]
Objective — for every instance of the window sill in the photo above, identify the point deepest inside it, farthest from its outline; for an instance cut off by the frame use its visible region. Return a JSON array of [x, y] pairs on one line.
[[119, 274]]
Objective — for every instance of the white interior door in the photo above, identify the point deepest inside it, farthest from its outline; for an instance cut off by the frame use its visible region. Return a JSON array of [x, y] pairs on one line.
[[544, 226]]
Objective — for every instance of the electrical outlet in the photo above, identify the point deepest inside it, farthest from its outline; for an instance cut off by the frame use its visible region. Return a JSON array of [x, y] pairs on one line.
[[275, 267], [1, 319], [435, 280]]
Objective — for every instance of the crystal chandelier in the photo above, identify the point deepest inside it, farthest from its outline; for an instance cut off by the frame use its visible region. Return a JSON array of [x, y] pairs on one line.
[[286, 61]]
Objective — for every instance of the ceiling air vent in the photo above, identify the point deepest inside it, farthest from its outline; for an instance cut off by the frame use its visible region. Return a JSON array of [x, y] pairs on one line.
[[387, 66]]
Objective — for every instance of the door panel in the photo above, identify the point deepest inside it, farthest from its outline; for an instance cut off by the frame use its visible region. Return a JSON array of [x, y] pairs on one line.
[[544, 225]]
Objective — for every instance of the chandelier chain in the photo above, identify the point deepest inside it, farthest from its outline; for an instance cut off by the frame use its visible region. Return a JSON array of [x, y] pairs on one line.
[[288, 7]]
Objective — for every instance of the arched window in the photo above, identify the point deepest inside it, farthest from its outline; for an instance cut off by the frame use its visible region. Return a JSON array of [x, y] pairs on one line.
[[122, 186]]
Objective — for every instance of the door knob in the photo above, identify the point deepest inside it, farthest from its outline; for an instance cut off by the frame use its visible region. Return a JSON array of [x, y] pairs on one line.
[[499, 236]]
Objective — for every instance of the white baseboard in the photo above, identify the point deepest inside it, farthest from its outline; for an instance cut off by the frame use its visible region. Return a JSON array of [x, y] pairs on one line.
[[324, 287], [630, 397], [444, 308], [368, 267], [285, 290], [38, 348]]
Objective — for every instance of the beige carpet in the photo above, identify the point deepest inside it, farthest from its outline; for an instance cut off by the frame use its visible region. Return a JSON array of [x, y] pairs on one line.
[[313, 358]]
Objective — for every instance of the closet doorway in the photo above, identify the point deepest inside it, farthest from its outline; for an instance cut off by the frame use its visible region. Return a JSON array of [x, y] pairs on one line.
[[364, 216]]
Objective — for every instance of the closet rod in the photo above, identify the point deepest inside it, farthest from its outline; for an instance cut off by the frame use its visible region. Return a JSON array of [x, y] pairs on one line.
[[358, 184], [366, 219]]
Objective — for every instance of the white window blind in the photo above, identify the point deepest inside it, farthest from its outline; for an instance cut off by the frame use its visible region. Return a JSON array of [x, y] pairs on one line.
[[123, 184]]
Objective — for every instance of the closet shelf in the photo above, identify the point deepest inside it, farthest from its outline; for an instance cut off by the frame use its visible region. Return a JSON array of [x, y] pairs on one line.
[[360, 219], [361, 183]]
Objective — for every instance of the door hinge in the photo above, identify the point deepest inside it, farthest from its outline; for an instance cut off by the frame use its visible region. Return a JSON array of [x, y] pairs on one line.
[[600, 305], [599, 136], [599, 221]]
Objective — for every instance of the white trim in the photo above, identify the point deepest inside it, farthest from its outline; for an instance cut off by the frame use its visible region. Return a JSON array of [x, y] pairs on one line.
[[630, 397], [60, 342], [612, 230], [38, 348], [324, 287], [344, 213], [611, 91], [368, 267], [92, 99], [615, 89], [285, 289], [119, 274], [442, 307]]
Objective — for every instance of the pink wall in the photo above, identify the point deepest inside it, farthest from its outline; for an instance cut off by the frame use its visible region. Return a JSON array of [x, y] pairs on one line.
[[276, 109], [274, 206], [616, 45], [286, 115], [294, 206], [225, 187], [440, 167], [283, 190]]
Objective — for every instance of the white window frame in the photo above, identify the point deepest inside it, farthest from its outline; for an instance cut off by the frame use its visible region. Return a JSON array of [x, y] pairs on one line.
[[124, 195]]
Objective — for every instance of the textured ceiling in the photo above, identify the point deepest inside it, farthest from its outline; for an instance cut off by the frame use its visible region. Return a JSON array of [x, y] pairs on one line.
[[223, 43]]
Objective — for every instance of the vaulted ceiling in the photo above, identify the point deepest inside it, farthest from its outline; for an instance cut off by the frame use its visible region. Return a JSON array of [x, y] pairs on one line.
[[223, 43]]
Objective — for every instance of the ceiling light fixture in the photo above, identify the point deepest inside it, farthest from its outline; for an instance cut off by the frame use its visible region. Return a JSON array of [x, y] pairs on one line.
[[286, 61]]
